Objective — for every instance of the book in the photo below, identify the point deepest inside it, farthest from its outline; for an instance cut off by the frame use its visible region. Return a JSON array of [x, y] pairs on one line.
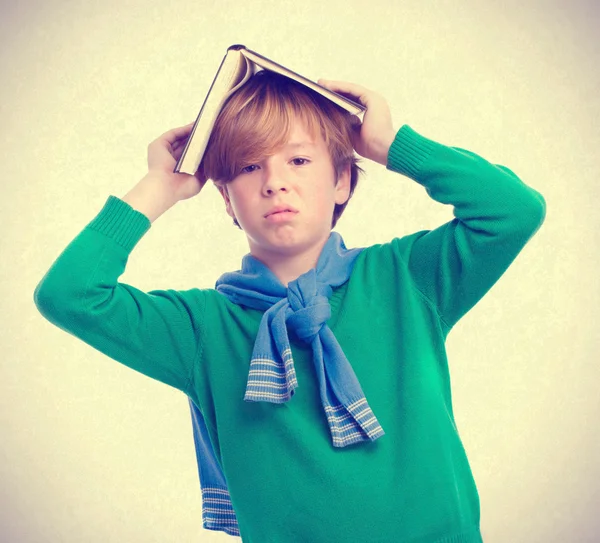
[[236, 68]]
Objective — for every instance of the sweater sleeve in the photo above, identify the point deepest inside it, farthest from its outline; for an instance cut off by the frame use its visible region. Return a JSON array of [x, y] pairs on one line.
[[496, 214], [156, 333]]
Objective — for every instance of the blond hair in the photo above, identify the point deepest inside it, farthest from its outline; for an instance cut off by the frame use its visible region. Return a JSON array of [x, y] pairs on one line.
[[256, 120]]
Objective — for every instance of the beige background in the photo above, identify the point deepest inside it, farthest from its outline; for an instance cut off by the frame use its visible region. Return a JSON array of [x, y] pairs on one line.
[[92, 451]]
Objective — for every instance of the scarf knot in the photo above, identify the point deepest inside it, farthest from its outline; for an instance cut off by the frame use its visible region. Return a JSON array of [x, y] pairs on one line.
[[309, 307]]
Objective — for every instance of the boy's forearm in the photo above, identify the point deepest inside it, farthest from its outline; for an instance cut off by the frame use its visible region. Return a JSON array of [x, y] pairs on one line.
[[149, 197], [383, 147]]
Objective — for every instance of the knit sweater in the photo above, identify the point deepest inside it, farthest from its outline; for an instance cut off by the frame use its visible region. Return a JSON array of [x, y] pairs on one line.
[[286, 480]]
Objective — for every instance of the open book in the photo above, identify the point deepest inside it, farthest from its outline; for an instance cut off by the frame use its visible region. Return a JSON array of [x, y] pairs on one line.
[[237, 66]]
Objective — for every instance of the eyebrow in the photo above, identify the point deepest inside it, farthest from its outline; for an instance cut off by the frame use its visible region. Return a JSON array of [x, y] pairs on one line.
[[300, 144]]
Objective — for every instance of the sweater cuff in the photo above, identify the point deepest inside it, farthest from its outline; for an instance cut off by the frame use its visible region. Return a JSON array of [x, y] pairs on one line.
[[120, 222], [408, 151]]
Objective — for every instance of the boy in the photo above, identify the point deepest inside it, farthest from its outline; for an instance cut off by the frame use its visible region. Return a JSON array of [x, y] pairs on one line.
[[367, 450]]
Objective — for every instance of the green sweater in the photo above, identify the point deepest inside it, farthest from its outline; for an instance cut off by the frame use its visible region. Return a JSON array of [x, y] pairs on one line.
[[287, 482]]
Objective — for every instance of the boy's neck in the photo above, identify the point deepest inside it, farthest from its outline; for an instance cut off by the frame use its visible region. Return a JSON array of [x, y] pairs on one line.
[[288, 267]]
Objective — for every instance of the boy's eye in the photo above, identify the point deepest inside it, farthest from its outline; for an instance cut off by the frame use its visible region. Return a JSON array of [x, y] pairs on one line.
[[244, 170], [305, 161]]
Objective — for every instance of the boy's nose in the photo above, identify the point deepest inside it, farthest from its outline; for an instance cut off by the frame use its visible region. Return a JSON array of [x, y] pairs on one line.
[[273, 189], [274, 181]]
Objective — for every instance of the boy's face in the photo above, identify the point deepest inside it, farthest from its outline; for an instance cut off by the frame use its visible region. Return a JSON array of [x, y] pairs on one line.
[[300, 177]]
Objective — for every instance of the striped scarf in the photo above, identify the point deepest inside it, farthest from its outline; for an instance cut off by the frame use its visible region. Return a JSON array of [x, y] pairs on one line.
[[304, 307]]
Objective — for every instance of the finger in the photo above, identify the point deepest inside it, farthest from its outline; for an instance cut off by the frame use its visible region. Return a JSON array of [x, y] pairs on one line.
[[174, 134], [178, 144], [345, 87]]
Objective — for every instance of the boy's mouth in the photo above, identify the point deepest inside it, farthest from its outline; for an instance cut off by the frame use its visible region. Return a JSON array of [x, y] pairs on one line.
[[280, 209], [281, 216]]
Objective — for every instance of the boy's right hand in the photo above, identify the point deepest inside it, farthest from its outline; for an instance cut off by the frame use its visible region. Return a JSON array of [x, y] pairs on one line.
[[163, 154]]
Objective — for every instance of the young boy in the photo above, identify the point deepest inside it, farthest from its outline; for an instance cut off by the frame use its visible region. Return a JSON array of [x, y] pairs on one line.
[[367, 449]]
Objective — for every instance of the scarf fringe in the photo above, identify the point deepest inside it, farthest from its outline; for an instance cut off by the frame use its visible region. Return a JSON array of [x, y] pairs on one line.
[[217, 511], [362, 424], [269, 381]]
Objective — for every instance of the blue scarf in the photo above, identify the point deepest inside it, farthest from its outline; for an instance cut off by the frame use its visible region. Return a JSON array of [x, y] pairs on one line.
[[304, 307]]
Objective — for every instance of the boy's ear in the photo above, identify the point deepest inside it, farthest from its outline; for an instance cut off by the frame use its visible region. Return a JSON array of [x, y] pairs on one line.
[[342, 188], [225, 195]]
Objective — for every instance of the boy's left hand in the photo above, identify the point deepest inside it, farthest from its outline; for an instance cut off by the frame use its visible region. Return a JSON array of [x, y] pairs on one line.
[[371, 138]]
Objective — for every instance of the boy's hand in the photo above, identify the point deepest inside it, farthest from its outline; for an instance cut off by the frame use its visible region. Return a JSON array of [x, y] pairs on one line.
[[371, 138], [163, 154]]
